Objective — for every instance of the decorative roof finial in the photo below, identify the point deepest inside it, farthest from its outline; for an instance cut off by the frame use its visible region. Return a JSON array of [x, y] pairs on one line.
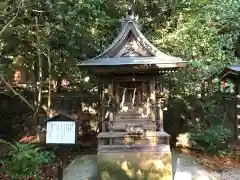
[[130, 15]]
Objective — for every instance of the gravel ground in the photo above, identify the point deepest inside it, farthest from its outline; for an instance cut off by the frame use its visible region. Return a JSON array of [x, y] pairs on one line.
[[186, 168], [233, 174]]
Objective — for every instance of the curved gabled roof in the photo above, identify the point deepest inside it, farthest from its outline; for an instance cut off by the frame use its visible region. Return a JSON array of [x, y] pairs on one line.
[[231, 72], [131, 47]]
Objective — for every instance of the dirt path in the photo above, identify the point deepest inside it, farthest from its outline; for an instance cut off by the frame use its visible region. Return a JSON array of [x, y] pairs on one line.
[[185, 167]]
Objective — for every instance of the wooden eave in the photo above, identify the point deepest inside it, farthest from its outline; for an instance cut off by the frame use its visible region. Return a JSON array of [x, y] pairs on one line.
[[129, 70]]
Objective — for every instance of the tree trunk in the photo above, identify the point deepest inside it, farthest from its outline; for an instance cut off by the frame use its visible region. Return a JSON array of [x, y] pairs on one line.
[[40, 71], [49, 83]]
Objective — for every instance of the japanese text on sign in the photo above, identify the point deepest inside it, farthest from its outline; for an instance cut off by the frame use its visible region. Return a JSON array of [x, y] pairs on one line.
[[61, 132]]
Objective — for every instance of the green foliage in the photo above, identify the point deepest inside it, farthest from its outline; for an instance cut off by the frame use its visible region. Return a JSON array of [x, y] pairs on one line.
[[206, 34], [213, 138], [23, 160], [2, 141], [203, 32], [73, 30]]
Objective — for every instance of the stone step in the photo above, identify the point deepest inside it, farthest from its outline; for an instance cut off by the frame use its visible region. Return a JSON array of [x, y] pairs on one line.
[[126, 115], [122, 126], [123, 134], [126, 119], [107, 135], [129, 114], [134, 148]]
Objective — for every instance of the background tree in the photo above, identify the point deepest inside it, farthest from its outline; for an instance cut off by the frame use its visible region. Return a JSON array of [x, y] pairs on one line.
[[203, 32]]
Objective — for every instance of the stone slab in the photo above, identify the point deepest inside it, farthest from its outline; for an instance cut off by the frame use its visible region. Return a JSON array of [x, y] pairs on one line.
[[83, 167]]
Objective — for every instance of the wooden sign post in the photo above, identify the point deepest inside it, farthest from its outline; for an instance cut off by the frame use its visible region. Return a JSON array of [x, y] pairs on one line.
[[60, 131]]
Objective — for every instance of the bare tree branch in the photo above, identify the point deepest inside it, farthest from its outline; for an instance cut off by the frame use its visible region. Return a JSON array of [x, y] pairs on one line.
[[12, 20], [9, 23], [16, 93], [39, 11]]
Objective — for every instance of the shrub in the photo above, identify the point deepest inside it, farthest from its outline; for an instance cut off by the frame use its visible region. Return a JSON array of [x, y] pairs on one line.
[[213, 138], [23, 160]]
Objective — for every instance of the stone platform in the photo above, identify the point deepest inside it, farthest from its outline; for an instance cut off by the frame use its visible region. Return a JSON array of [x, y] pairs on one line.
[[184, 168], [135, 165]]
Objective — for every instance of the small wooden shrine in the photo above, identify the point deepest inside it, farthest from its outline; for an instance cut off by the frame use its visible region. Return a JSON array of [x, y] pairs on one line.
[[233, 73], [132, 117]]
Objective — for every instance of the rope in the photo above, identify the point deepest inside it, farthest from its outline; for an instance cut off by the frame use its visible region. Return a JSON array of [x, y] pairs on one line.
[[135, 94], [133, 99], [123, 98]]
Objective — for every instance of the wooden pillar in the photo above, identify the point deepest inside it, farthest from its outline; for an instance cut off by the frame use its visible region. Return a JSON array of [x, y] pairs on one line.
[[100, 100], [104, 103], [110, 89], [160, 115], [153, 98], [111, 116], [117, 93], [159, 104], [144, 98], [143, 92]]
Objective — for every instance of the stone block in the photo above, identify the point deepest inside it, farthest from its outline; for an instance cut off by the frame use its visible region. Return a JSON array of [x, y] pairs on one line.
[[135, 165]]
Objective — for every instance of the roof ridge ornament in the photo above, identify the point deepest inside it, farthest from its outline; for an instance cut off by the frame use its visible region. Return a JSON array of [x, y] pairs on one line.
[[130, 17]]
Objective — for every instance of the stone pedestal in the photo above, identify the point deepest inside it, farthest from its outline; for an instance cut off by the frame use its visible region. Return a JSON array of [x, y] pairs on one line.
[[135, 162]]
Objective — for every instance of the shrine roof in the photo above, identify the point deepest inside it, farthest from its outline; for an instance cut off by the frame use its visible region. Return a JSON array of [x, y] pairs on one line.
[[235, 68], [131, 47], [231, 72]]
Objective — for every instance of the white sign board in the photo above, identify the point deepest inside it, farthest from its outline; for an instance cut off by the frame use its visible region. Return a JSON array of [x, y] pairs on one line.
[[61, 132]]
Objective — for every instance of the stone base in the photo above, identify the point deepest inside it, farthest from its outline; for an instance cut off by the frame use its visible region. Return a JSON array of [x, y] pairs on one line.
[[135, 165]]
